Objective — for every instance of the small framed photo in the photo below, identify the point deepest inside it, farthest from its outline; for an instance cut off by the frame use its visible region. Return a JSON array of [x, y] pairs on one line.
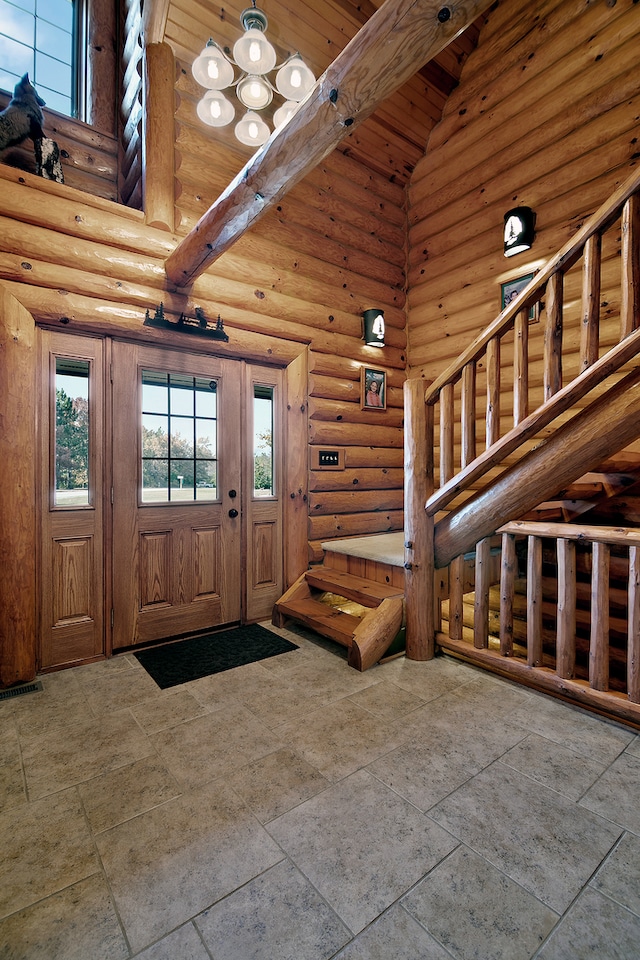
[[373, 389], [512, 288]]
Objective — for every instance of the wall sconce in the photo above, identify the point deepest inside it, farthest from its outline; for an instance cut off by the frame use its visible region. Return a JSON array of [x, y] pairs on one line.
[[373, 334], [519, 230]]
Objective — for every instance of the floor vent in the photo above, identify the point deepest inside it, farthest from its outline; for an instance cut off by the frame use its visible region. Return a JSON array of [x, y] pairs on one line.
[[18, 691]]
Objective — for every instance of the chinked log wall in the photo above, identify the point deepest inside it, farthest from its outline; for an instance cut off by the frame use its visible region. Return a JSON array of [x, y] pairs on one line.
[[546, 115]]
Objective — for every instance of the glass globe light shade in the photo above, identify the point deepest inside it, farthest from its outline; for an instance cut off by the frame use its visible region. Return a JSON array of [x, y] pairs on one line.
[[254, 92], [215, 110], [282, 114], [252, 130], [294, 79], [253, 53], [212, 69]]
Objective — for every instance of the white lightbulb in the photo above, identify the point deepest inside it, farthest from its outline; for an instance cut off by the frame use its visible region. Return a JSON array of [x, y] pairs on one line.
[[296, 79], [254, 52], [256, 89], [212, 69], [216, 112], [253, 130]]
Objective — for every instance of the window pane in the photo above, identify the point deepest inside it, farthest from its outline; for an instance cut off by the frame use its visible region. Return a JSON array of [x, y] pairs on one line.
[[155, 395], [155, 481], [59, 12], [155, 435], [72, 433], [16, 59], [54, 42], [29, 5], [181, 437], [181, 480], [56, 101], [206, 439], [181, 396], [17, 24], [206, 480], [206, 398], [51, 74], [263, 480]]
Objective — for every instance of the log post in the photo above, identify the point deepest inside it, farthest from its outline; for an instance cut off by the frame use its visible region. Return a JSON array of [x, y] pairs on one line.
[[508, 566], [534, 602], [17, 504], [566, 632], [590, 329], [158, 135], [599, 643], [418, 527], [630, 300], [633, 622], [481, 595], [553, 337], [521, 367]]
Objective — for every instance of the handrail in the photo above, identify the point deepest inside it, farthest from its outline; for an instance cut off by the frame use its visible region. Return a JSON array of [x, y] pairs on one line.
[[617, 536], [564, 259]]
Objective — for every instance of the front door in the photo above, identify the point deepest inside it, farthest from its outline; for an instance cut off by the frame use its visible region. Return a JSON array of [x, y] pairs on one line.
[[177, 493]]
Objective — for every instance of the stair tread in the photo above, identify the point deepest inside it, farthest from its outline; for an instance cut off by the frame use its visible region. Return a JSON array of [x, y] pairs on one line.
[[322, 618], [370, 593]]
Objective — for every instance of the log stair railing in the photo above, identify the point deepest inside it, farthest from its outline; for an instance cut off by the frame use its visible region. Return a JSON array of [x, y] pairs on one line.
[[531, 456], [363, 615]]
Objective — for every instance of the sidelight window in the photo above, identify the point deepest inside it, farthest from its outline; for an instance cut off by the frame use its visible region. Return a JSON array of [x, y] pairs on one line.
[[179, 438], [263, 474], [71, 459]]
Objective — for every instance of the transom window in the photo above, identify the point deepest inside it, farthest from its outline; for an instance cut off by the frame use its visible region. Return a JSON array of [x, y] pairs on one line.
[[179, 438], [41, 38]]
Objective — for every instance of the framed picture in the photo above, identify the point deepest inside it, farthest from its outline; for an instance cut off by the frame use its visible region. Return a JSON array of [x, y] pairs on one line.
[[373, 389], [512, 288]]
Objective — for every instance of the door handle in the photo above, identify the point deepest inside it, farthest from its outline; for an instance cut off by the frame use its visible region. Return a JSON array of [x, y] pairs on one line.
[[233, 494], [233, 513]]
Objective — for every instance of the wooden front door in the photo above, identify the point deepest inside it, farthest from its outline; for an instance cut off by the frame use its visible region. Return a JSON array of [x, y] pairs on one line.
[[177, 493]]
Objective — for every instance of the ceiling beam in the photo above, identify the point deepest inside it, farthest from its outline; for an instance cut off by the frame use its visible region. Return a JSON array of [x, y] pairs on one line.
[[392, 45], [154, 20]]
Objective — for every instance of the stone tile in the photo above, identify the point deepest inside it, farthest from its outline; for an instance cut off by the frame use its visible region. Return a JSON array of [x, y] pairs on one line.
[[424, 773], [127, 792], [56, 707], [168, 709], [595, 928], [474, 910], [87, 749], [119, 689], [173, 862], [634, 747], [394, 935], [498, 697], [574, 728], [183, 944], [616, 795], [387, 700], [276, 783], [46, 846], [540, 839], [12, 785], [328, 677], [283, 705], [361, 846], [570, 773], [214, 745], [279, 914], [429, 680], [240, 684], [619, 876], [340, 738], [76, 924]]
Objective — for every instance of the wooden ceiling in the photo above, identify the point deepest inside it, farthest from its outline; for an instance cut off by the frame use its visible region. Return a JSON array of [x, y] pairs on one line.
[[390, 142]]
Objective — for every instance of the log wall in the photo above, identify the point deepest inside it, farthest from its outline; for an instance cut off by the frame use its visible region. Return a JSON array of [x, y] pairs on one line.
[[546, 115]]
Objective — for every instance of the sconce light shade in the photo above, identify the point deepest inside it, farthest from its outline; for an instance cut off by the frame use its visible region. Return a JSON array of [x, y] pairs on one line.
[[519, 230], [373, 334]]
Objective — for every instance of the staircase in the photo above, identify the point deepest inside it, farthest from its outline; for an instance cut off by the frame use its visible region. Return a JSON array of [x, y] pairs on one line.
[[538, 447], [363, 615]]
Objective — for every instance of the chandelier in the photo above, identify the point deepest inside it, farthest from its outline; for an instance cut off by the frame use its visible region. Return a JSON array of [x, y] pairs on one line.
[[255, 58]]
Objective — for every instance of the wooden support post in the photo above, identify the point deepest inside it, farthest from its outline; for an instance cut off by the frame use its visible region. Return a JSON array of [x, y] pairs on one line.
[[418, 527], [446, 433], [17, 504], [508, 567], [599, 644], [566, 630], [534, 602], [158, 135], [456, 598], [590, 329], [468, 415], [630, 293], [481, 595], [633, 623]]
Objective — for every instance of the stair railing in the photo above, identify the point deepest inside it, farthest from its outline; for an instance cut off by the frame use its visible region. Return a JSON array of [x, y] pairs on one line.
[[451, 403], [547, 646]]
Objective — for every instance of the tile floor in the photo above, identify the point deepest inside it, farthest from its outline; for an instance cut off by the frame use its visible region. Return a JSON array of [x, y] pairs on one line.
[[295, 809]]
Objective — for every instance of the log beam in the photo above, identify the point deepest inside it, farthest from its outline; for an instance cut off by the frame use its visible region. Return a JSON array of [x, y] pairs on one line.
[[394, 43]]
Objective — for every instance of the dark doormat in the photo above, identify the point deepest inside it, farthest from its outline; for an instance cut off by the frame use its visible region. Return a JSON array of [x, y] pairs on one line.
[[198, 657]]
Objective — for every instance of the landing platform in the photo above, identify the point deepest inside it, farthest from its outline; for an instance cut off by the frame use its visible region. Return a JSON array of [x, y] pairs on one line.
[[379, 547]]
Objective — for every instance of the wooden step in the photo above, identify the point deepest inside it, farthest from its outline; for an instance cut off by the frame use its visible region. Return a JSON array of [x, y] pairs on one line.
[[369, 593], [325, 620]]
